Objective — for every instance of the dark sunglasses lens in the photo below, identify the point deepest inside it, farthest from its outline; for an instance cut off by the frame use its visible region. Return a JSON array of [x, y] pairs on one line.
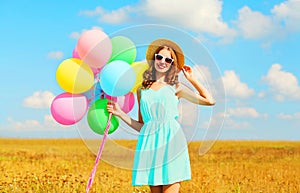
[[168, 60], [159, 57]]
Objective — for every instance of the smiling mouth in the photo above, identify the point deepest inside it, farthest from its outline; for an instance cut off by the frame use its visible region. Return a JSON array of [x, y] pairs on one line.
[[161, 65]]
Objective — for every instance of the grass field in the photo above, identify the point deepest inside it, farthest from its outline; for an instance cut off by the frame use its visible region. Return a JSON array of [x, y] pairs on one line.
[[230, 166]]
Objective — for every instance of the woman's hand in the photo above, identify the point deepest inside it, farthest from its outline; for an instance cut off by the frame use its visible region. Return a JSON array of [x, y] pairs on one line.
[[114, 108], [188, 73]]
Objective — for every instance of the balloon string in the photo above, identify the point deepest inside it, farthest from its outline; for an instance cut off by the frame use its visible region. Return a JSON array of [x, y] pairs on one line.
[[90, 92], [97, 78], [92, 176], [93, 94]]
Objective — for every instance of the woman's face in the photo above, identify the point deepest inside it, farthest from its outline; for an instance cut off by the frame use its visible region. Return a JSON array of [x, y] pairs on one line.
[[163, 61]]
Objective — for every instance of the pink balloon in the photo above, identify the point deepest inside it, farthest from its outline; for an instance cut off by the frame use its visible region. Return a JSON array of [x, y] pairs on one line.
[[68, 109], [126, 102], [75, 53], [96, 70], [94, 48]]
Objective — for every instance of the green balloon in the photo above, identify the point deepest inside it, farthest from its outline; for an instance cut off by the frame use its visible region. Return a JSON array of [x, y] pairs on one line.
[[122, 49], [98, 117]]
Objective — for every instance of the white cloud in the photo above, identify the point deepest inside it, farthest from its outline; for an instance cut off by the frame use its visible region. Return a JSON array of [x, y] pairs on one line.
[[245, 112], [283, 85], [198, 15], [284, 116], [295, 116], [262, 94], [21, 125], [57, 55], [223, 120], [49, 124], [205, 16], [115, 16], [233, 124], [234, 87], [254, 24], [288, 13], [33, 128], [39, 100], [90, 13], [75, 35], [235, 118], [49, 120], [283, 20]]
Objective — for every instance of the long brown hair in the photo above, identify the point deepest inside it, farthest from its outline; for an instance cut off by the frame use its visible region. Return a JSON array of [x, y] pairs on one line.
[[171, 75]]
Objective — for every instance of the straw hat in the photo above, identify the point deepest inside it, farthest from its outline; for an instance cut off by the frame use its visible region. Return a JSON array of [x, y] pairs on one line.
[[152, 48]]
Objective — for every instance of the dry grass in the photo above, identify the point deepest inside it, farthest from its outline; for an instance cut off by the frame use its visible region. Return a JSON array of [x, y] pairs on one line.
[[230, 166]]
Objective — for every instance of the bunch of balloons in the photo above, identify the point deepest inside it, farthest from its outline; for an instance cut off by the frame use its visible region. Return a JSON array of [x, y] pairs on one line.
[[101, 69]]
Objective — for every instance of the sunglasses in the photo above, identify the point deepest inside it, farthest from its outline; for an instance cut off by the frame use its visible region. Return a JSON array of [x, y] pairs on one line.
[[167, 59]]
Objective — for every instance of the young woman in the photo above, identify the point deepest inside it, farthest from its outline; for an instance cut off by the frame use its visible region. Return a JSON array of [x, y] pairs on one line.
[[161, 159]]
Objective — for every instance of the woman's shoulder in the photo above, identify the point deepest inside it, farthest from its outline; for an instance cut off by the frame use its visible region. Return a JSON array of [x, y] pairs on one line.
[[139, 89]]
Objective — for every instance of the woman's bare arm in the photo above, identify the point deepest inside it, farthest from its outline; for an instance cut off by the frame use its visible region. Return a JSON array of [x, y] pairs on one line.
[[117, 111], [203, 97]]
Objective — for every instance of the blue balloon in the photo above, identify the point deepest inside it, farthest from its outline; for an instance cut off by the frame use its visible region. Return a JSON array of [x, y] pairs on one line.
[[94, 93], [117, 78]]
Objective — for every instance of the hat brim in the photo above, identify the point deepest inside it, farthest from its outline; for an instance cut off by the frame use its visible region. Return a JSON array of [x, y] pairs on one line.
[[152, 48]]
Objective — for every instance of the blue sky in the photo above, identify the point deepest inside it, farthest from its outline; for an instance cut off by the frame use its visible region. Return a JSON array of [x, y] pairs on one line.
[[255, 45]]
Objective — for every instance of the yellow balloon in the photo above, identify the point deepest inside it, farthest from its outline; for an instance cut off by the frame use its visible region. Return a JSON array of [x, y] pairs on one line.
[[74, 76], [139, 68]]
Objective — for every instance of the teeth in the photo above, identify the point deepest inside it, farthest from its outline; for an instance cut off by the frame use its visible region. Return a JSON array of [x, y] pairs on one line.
[[161, 66]]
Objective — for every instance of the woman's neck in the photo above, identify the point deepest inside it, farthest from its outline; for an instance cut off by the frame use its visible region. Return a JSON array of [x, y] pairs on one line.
[[160, 77]]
